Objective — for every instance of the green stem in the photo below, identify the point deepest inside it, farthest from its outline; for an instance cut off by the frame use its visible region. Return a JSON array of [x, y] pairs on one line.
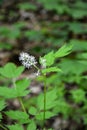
[[44, 116], [36, 67], [22, 105], [3, 127], [19, 98], [44, 100]]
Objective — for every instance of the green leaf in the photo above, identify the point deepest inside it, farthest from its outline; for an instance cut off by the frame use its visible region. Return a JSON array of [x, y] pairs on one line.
[[14, 33], [63, 51], [71, 66], [19, 70], [51, 97], [77, 28], [20, 24], [32, 110], [15, 127], [8, 70], [19, 90], [82, 55], [2, 105], [4, 30], [7, 92], [34, 35], [6, 46], [62, 107], [78, 95], [27, 6], [78, 45], [49, 58], [20, 116], [40, 116], [11, 71], [51, 69], [78, 13], [31, 126], [9, 33], [21, 87]]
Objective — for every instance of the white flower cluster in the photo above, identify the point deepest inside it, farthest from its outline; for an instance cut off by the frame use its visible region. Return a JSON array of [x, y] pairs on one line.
[[27, 60]]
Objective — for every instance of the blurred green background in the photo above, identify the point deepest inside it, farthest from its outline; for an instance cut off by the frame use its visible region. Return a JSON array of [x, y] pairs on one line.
[[40, 26]]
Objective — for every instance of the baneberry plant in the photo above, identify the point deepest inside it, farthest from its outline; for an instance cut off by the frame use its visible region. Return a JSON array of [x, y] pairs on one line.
[[35, 116]]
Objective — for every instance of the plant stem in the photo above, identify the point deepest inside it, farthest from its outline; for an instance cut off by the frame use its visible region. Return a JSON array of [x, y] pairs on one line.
[[44, 115], [3, 127], [19, 98], [36, 67], [22, 105], [44, 100]]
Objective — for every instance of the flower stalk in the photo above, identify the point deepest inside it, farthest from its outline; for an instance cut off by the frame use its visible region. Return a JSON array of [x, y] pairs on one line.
[[19, 98]]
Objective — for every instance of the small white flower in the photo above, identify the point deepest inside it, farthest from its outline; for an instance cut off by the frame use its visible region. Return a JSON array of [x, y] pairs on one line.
[[37, 73], [23, 56], [43, 62], [27, 60]]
